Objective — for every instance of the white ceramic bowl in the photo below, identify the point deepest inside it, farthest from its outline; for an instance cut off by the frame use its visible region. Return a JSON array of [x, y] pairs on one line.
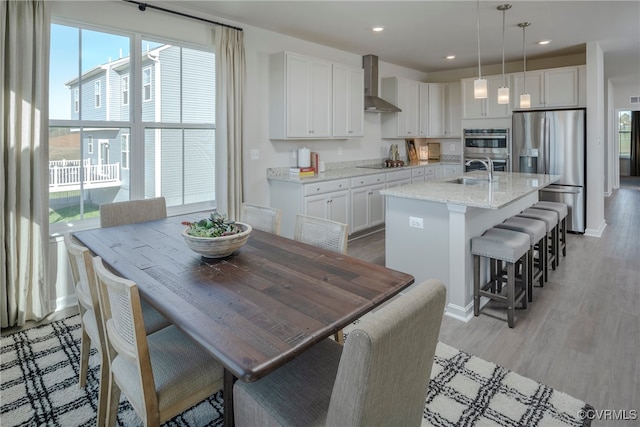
[[218, 247]]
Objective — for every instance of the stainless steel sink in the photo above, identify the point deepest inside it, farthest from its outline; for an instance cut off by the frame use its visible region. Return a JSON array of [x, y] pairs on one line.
[[466, 181]]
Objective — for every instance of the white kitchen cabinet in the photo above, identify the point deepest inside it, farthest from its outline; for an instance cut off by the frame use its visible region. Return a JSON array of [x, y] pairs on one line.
[[367, 204], [453, 114], [556, 87], [405, 94], [300, 97], [398, 178], [451, 170], [487, 108], [348, 102], [333, 206], [417, 175], [432, 110]]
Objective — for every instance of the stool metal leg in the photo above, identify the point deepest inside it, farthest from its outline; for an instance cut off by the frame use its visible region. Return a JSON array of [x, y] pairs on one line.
[[511, 291], [476, 285]]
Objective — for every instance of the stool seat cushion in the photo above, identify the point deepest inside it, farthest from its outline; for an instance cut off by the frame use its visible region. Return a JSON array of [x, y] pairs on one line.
[[549, 217], [498, 243], [560, 208], [535, 228]]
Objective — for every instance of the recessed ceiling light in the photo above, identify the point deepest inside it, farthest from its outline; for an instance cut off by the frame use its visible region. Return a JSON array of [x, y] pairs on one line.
[[544, 42], [377, 29], [450, 56]]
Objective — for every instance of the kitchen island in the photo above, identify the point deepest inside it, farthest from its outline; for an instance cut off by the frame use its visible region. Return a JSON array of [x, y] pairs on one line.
[[429, 226]]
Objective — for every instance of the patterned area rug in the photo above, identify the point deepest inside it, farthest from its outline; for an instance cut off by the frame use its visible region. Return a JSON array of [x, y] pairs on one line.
[[39, 371]]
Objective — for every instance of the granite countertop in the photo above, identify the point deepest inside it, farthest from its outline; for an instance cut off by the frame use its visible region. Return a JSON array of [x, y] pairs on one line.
[[505, 188], [350, 170]]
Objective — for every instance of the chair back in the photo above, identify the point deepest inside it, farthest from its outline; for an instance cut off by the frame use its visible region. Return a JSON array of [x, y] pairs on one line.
[[82, 274], [132, 211], [384, 370], [261, 217], [320, 232]]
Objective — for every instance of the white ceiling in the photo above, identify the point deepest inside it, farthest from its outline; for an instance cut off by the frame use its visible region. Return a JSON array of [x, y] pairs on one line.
[[419, 34]]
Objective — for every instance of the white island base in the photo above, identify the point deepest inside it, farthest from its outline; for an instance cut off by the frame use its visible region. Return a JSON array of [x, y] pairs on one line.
[[432, 238]]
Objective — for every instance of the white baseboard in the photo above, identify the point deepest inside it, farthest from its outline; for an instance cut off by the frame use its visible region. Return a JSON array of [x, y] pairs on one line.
[[461, 313], [596, 232]]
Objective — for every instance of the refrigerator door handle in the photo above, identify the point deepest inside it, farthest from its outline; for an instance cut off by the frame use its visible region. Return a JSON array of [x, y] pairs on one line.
[[571, 190], [547, 145]]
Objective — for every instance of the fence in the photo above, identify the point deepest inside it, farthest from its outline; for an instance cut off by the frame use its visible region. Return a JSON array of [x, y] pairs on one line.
[[68, 173]]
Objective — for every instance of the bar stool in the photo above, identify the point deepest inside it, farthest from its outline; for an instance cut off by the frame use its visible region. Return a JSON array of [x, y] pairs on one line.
[[562, 210], [550, 218], [500, 245], [537, 231]]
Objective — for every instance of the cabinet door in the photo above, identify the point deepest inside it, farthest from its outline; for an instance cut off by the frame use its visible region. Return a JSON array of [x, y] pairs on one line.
[[359, 209], [298, 96], [453, 126], [423, 117], [338, 204], [317, 206], [409, 103], [348, 102], [561, 87], [436, 110], [471, 108], [534, 87], [376, 205], [451, 170], [320, 98]]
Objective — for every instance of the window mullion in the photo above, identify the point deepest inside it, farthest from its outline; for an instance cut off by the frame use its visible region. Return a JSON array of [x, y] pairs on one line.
[[136, 141]]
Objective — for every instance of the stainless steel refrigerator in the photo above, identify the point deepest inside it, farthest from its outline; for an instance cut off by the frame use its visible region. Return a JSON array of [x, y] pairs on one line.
[[553, 142]]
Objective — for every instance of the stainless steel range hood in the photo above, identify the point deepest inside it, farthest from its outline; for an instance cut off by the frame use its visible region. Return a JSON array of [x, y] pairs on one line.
[[372, 102]]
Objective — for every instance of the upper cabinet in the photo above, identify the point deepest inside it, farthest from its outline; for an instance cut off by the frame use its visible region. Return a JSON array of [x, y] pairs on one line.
[[487, 108], [405, 94], [314, 99], [432, 110], [556, 87], [348, 101], [453, 114]]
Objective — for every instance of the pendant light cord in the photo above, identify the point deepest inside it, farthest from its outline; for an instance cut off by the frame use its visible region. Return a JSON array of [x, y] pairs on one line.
[[524, 60], [503, 21], [478, 28]]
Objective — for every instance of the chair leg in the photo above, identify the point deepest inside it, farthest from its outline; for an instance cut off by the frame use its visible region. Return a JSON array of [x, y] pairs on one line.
[[103, 392], [544, 257], [85, 348], [476, 285], [564, 236], [339, 336], [530, 274], [511, 273], [113, 401]]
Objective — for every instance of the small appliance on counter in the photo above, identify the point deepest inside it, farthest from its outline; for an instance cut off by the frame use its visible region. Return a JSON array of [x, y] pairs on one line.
[[434, 150]]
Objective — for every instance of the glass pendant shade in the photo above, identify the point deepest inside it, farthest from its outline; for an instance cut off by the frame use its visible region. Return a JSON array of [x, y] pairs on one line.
[[480, 88], [503, 95], [525, 100]]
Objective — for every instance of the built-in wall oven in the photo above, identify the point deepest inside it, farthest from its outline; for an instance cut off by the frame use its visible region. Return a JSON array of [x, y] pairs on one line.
[[492, 143]]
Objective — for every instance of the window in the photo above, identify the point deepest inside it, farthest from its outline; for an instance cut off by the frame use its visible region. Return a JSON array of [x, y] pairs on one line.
[[146, 84], [97, 87], [624, 133], [125, 90], [124, 146], [167, 148]]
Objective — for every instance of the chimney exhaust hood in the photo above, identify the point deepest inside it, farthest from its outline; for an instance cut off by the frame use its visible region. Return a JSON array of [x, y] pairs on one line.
[[373, 103]]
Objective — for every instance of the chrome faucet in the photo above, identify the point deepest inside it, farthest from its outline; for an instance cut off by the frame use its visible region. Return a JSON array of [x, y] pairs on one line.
[[488, 164]]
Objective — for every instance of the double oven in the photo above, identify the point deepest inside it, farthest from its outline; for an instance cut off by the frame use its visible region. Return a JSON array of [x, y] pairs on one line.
[[492, 143]]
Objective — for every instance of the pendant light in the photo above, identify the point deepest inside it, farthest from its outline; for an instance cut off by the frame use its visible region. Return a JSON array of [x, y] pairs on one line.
[[525, 98], [503, 91], [479, 85]]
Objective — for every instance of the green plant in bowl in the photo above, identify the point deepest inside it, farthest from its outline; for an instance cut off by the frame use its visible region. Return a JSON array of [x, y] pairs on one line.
[[216, 225], [215, 236]]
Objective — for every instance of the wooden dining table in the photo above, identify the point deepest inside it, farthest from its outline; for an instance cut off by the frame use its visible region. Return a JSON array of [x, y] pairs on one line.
[[255, 310]]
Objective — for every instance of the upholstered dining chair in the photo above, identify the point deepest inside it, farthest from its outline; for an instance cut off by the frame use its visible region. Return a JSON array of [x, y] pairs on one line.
[[132, 211], [82, 273], [379, 377], [261, 217], [162, 374], [323, 233]]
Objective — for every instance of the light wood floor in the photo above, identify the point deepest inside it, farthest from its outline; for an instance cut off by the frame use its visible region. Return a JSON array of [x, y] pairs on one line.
[[581, 334]]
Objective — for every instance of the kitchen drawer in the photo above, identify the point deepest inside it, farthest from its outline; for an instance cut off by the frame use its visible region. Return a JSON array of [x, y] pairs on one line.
[[417, 172], [398, 175], [362, 181], [326, 187], [430, 172]]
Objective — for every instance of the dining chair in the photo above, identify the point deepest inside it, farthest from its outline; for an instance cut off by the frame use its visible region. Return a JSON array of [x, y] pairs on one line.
[[161, 374], [83, 276], [379, 377], [323, 233], [132, 211], [261, 217]]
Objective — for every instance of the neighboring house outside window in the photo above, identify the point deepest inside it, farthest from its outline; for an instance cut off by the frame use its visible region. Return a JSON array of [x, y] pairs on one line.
[[124, 146], [125, 90], [98, 88], [624, 133], [166, 149]]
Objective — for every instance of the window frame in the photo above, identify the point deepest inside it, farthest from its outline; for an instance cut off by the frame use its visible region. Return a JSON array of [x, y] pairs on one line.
[[134, 123], [76, 100], [97, 93], [90, 144], [625, 156], [124, 84], [146, 84], [124, 151]]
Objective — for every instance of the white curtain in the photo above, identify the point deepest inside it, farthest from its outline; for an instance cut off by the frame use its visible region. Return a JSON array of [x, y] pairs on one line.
[[230, 70], [24, 187]]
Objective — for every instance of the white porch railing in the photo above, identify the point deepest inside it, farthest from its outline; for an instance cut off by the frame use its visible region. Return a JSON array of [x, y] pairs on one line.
[[64, 174]]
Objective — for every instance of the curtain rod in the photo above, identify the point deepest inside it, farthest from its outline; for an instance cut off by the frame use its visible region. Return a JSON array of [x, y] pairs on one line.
[[143, 6]]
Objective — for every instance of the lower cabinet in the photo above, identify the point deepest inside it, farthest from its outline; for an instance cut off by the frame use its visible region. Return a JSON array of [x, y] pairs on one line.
[[333, 206], [367, 204], [451, 170]]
